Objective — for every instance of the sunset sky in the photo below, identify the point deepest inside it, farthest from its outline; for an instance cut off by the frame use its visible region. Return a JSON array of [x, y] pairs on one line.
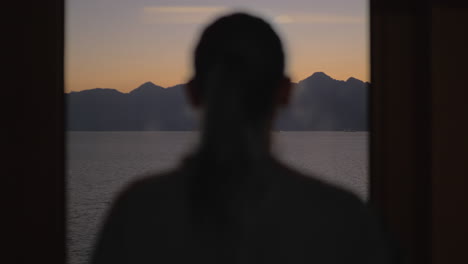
[[123, 43]]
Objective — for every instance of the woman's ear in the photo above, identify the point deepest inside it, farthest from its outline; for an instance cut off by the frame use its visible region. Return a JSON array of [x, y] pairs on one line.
[[284, 91], [193, 94]]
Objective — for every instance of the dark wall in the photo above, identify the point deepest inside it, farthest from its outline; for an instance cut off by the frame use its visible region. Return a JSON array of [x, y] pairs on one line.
[[419, 126], [450, 134], [33, 98]]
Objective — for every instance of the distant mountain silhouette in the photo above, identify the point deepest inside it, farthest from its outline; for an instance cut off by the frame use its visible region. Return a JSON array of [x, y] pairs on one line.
[[323, 103], [319, 103]]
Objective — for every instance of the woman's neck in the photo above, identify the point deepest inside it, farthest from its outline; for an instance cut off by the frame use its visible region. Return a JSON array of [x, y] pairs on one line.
[[252, 143]]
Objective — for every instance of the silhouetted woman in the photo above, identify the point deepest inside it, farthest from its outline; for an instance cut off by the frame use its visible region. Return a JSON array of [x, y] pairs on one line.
[[231, 201]]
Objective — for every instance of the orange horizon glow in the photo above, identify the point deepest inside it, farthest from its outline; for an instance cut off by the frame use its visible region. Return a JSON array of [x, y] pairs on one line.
[[126, 85]]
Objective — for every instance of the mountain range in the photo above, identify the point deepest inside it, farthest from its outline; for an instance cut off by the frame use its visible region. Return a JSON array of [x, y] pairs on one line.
[[319, 103]]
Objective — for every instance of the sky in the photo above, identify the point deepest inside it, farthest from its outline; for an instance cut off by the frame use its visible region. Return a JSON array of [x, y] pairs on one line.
[[122, 44]]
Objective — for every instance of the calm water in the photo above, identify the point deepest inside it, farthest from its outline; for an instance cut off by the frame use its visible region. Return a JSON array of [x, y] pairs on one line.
[[101, 163]]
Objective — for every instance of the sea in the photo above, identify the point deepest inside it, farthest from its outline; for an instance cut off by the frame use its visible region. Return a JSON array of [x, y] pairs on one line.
[[100, 164]]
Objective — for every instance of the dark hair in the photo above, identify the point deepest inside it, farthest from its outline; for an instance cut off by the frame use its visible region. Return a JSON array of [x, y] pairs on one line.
[[239, 63]]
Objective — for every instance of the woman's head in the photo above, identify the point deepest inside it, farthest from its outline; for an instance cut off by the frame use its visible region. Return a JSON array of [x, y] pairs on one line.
[[238, 83], [239, 59]]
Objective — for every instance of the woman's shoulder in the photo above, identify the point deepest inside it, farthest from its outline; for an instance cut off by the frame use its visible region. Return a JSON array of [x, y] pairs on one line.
[[309, 187], [155, 185]]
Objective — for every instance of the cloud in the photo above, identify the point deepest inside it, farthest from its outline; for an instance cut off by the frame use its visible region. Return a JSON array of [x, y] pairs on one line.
[[318, 19], [182, 9], [203, 14], [180, 14]]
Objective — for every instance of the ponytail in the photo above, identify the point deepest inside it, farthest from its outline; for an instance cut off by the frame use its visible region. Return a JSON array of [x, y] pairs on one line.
[[238, 64], [231, 141]]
